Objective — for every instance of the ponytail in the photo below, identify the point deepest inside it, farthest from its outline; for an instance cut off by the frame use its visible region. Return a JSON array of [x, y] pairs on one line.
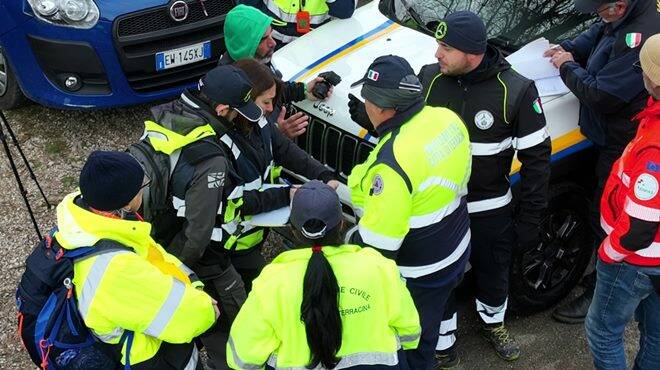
[[320, 311]]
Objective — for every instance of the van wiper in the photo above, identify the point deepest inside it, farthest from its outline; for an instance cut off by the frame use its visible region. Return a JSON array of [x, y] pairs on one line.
[[416, 17]]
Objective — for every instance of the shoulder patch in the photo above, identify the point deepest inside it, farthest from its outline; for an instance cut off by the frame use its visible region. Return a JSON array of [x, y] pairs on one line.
[[538, 107], [633, 39], [646, 187], [377, 185]]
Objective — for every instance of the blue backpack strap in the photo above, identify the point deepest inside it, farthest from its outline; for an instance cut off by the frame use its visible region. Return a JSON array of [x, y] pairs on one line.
[[128, 338]]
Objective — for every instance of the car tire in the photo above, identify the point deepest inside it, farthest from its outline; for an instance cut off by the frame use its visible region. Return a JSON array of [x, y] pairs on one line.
[[11, 95], [541, 277]]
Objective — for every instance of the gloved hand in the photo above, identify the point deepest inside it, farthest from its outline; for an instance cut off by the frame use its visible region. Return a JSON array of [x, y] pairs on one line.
[[528, 233], [359, 114]]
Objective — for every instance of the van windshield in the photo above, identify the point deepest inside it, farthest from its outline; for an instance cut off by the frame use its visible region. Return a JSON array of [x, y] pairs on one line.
[[510, 23]]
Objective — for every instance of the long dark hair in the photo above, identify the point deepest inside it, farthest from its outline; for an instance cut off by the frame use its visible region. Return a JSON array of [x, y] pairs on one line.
[[262, 79], [320, 304]]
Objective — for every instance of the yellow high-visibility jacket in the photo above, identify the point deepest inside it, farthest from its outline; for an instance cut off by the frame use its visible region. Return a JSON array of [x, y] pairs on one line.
[[146, 290], [378, 315]]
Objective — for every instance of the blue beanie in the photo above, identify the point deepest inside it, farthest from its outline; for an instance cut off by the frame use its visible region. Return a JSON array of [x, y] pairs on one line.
[[110, 180], [463, 30]]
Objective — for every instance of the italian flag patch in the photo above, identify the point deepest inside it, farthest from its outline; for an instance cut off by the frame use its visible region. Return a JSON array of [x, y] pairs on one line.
[[633, 40], [538, 108]]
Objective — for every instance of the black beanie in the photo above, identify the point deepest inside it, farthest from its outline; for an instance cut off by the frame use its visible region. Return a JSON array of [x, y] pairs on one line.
[[110, 180], [464, 31]]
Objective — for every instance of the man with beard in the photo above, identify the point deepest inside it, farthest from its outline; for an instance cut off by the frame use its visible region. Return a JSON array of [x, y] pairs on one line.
[[248, 34], [503, 115]]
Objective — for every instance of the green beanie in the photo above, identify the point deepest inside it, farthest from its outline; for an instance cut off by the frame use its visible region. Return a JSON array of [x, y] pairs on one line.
[[244, 28]]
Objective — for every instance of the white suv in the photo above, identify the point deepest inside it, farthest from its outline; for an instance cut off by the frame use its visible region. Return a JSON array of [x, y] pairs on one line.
[[540, 277]]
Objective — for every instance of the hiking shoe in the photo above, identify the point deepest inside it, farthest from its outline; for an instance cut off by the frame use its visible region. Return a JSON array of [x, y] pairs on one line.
[[502, 341], [574, 311], [448, 360]]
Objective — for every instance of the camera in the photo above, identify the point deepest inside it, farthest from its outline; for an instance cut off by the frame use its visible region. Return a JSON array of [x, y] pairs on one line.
[[322, 88]]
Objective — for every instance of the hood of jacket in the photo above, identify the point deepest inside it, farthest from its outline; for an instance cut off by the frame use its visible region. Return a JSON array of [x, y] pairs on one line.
[[79, 227]]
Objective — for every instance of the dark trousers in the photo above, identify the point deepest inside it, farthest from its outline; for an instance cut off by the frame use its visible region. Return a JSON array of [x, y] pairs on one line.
[[171, 357], [430, 298], [493, 238], [603, 169], [230, 290]]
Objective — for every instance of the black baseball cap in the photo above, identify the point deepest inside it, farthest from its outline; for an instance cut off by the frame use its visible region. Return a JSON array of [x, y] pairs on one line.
[[590, 6], [231, 86], [315, 201]]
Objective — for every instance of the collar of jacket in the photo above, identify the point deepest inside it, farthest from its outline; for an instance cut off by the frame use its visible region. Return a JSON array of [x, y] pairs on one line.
[[225, 59], [635, 8], [492, 64], [652, 110], [400, 118], [78, 227], [219, 124], [303, 254]]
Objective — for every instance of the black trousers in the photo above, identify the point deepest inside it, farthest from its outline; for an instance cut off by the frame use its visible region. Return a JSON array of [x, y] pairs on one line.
[[430, 298], [170, 357], [493, 239]]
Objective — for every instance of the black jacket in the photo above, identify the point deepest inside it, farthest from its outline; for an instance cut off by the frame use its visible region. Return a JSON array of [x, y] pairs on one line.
[[192, 237], [610, 89], [502, 112]]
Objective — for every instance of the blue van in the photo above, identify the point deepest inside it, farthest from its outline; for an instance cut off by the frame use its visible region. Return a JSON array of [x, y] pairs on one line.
[[81, 54]]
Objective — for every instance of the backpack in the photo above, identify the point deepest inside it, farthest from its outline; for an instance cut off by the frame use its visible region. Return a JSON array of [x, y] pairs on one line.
[[49, 324], [157, 207], [156, 200]]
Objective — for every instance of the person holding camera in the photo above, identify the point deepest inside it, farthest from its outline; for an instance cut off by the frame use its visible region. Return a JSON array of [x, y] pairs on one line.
[[248, 34]]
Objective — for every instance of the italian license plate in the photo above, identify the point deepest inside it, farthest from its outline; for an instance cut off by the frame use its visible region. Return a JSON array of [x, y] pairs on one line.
[[182, 56]]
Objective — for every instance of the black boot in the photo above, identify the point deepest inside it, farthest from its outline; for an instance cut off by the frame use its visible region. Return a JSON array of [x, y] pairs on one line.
[[447, 359], [576, 310]]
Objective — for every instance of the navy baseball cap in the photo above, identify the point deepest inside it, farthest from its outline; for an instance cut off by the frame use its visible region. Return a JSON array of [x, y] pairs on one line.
[[390, 82], [315, 201], [590, 6], [229, 85]]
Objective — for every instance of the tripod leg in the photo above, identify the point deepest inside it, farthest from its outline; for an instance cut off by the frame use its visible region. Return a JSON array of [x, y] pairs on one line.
[[27, 164], [3, 138]]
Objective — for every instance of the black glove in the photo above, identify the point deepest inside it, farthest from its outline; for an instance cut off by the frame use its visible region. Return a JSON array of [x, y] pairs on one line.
[[528, 233], [359, 114]]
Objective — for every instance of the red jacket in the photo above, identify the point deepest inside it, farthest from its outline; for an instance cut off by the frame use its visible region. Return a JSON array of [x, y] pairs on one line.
[[630, 206]]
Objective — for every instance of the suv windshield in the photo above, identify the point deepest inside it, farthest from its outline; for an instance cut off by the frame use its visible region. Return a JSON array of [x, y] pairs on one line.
[[510, 23]]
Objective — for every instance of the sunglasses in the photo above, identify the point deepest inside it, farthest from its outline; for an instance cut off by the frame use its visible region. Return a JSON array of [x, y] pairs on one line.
[[637, 66]]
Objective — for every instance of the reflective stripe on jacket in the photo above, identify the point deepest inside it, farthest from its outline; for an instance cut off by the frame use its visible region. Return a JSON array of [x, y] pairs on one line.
[[373, 299]]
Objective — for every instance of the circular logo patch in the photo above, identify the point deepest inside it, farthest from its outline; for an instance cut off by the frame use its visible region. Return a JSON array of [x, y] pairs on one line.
[[377, 185], [646, 187], [441, 31], [484, 119]]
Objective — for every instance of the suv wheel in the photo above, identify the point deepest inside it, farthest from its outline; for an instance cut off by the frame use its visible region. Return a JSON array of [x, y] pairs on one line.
[[542, 276], [11, 95]]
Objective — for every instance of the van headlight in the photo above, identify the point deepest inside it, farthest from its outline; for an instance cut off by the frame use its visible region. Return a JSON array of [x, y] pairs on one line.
[[68, 13]]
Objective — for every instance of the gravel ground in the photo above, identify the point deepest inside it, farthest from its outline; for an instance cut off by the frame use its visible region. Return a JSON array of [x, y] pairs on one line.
[[57, 144]]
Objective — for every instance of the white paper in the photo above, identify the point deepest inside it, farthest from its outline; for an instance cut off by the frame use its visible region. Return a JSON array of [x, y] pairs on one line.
[[551, 86], [530, 62], [278, 217]]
